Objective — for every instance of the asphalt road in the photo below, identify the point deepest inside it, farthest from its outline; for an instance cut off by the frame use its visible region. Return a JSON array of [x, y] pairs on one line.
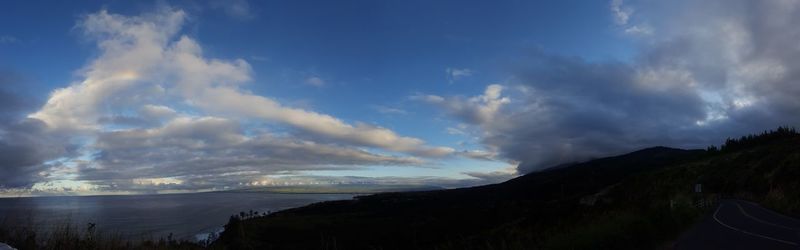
[[737, 224], [3, 246]]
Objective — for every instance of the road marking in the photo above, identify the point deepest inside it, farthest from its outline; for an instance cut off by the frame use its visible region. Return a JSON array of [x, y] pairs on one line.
[[768, 210], [762, 221], [749, 233]]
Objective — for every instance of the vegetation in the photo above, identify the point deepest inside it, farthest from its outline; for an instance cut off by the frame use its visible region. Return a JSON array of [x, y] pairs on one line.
[[641, 200], [749, 141], [67, 236], [636, 201]]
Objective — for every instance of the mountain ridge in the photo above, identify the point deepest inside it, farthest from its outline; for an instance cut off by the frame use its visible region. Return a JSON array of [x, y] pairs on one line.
[[636, 200]]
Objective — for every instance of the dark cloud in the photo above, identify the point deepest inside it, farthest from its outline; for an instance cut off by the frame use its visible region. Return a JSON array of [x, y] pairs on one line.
[[22, 153], [565, 109], [572, 109], [24, 145], [703, 71], [212, 152], [12, 104]]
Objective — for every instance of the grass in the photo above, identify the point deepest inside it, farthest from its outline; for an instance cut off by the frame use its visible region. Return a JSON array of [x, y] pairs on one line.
[[68, 236]]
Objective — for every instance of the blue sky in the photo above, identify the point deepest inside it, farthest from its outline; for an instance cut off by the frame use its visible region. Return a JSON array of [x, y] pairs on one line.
[[355, 46], [442, 92]]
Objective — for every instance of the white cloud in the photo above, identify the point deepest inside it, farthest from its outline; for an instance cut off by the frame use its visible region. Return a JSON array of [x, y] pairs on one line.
[[238, 9], [138, 52], [133, 47], [315, 81], [621, 13], [716, 69], [477, 109], [455, 131], [455, 74], [389, 110], [231, 101], [181, 112], [151, 111], [639, 30]]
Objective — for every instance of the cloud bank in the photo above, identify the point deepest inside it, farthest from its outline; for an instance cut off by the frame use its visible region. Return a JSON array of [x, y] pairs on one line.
[[706, 71], [152, 109]]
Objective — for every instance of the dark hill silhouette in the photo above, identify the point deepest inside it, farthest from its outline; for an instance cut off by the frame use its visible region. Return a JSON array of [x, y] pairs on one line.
[[634, 201]]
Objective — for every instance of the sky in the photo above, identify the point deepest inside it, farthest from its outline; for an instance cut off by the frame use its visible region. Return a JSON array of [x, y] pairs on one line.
[[128, 97]]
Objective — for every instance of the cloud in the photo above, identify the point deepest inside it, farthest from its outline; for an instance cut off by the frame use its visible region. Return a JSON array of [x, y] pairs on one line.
[[259, 58], [639, 30], [13, 105], [479, 155], [478, 109], [151, 111], [6, 39], [620, 12], [389, 110], [455, 74], [151, 106], [139, 56], [24, 147], [150, 185], [190, 148], [717, 69], [134, 50], [238, 9], [568, 109], [221, 100], [623, 14], [491, 177], [455, 131], [315, 81]]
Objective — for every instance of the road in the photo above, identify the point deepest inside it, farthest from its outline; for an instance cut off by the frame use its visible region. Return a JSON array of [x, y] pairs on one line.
[[3, 246], [737, 224]]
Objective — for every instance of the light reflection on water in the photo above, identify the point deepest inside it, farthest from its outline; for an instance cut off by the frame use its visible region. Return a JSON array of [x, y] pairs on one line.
[[148, 216]]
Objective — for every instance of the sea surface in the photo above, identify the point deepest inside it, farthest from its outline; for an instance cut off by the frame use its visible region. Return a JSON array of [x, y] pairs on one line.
[[186, 216]]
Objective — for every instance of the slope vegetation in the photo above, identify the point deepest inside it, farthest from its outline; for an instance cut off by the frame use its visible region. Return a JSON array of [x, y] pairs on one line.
[[639, 200]]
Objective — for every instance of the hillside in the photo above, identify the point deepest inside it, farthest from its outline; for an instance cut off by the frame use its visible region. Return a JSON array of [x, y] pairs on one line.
[[338, 189], [638, 200]]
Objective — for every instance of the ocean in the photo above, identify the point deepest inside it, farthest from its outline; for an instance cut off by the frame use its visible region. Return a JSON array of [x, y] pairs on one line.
[[186, 216]]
